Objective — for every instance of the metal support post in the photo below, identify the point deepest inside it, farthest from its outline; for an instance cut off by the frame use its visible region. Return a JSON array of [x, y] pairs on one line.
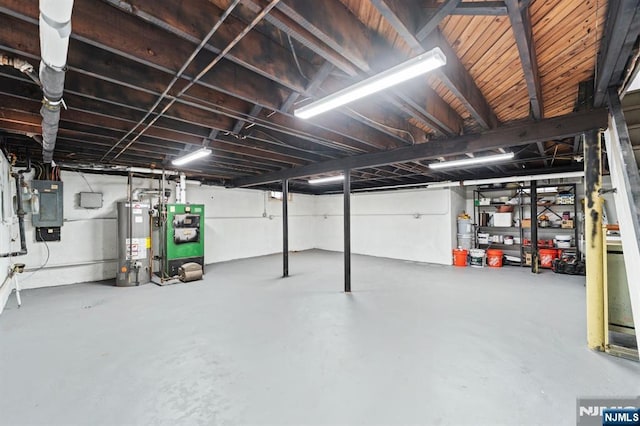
[[533, 192], [593, 240], [285, 228], [347, 231]]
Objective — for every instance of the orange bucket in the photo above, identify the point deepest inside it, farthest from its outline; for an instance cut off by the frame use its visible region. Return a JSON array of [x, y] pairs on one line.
[[460, 257], [547, 256], [494, 258]]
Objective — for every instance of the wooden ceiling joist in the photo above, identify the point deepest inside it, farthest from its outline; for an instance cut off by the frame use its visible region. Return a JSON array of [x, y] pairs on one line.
[[506, 61]]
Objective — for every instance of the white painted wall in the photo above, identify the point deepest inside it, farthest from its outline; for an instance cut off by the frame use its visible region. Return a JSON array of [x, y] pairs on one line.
[[246, 223], [417, 225], [411, 224], [234, 227], [8, 228]]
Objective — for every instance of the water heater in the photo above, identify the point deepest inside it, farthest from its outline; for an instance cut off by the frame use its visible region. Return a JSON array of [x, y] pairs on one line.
[[134, 242]]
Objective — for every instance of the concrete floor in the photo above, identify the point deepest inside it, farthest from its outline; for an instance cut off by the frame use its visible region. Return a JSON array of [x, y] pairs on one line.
[[413, 344]]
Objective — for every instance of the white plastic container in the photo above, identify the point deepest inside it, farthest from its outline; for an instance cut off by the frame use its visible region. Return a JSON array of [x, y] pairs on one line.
[[502, 219], [563, 241], [477, 258], [464, 241], [483, 238]]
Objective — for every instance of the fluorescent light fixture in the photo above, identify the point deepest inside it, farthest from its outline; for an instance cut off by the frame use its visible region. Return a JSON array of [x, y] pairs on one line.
[[470, 161], [202, 152], [419, 65], [326, 179]]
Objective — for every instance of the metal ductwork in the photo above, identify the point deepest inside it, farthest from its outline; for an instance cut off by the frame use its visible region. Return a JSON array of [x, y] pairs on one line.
[[55, 29]]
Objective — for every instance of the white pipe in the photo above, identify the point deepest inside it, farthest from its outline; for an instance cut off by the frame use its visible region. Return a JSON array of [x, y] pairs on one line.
[[151, 171], [55, 29], [524, 178], [96, 167], [182, 192]]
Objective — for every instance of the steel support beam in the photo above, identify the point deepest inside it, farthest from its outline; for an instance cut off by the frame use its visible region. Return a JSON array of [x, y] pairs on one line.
[[622, 30], [626, 179], [533, 193], [285, 228], [519, 134], [593, 241], [491, 8], [347, 231]]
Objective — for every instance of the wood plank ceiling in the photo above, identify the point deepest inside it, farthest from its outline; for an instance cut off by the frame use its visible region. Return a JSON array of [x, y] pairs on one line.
[[506, 61]]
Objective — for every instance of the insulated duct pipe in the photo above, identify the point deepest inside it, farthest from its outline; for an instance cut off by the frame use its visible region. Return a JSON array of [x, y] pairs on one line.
[[55, 29], [21, 65]]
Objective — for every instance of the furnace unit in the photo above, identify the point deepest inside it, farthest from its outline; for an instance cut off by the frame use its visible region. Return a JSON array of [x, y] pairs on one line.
[[180, 231]]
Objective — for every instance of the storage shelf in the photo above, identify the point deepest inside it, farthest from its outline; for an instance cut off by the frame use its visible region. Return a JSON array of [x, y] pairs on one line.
[[550, 229], [497, 227], [551, 204], [502, 245], [555, 248], [546, 205]]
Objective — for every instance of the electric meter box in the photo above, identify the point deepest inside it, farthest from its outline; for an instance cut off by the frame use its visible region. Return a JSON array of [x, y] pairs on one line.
[[50, 195]]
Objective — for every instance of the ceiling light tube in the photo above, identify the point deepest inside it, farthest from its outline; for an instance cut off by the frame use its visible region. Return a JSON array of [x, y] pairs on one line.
[[326, 179], [470, 161], [419, 65], [202, 152]]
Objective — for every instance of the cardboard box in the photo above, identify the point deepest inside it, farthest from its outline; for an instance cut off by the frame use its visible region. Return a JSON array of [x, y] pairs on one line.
[[527, 259], [525, 223], [567, 224], [503, 219]]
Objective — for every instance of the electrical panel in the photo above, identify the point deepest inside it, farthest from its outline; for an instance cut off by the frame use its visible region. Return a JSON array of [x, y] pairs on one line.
[[50, 195]]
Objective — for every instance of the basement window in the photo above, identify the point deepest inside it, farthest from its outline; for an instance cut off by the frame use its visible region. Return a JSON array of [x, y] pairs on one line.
[[277, 195]]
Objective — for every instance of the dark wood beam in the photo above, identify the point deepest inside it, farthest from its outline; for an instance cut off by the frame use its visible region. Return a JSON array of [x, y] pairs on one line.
[[491, 8], [255, 51], [432, 22], [151, 73], [255, 110], [196, 19], [512, 135], [83, 143], [458, 80], [620, 35], [521, 26], [326, 22], [522, 31], [319, 78], [401, 14]]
